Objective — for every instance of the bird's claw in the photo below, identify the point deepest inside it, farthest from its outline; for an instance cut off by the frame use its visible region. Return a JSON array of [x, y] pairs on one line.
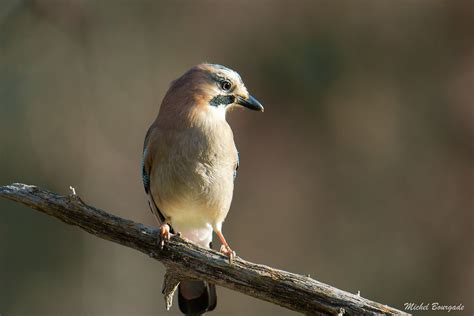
[[225, 249], [165, 235]]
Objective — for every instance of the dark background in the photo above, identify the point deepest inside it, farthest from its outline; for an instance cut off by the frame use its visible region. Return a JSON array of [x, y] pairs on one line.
[[360, 172]]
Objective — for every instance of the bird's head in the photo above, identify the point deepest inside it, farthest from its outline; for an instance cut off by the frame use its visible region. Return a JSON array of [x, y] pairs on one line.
[[209, 88]]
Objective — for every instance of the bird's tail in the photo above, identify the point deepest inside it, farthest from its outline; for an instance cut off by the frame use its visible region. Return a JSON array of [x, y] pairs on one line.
[[196, 297]]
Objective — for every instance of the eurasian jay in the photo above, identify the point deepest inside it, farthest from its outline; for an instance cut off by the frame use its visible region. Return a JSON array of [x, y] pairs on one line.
[[190, 162]]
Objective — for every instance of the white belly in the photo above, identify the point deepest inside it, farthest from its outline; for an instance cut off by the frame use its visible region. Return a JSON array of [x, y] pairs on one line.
[[194, 198]]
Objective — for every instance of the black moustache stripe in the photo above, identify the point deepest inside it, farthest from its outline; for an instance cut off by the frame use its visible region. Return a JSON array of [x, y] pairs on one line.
[[222, 99]]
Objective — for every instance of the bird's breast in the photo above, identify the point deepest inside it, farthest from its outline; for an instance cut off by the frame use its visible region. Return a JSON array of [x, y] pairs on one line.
[[194, 181]]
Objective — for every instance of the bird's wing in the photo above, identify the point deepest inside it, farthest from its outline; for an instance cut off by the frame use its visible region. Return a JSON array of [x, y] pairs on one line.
[[237, 164], [147, 160]]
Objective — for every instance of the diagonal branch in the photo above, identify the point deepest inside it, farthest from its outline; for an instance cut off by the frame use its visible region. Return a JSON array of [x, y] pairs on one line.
[[296, 292]]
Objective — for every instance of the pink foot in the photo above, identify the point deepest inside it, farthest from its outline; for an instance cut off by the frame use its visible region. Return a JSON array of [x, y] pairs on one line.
[[225, 249], [164, 234]]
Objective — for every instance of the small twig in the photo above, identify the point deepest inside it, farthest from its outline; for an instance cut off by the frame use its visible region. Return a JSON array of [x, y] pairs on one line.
[[73, 190], [170, 284], [290, 290]]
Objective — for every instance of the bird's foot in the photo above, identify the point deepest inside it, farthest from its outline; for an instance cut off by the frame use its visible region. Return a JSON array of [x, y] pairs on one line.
[[165, 234], [225, 249]]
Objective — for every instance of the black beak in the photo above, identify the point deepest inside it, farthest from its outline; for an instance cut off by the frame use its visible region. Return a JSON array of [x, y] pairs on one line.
[[250, 103]]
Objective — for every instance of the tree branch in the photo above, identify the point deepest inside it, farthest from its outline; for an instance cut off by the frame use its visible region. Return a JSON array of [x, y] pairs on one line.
[[296, 292]]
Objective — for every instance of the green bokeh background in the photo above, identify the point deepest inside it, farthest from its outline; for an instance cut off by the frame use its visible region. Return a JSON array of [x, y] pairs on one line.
[[360, 172]]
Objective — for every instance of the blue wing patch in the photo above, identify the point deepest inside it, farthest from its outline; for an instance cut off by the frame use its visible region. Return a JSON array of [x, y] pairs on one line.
[[145, 175]]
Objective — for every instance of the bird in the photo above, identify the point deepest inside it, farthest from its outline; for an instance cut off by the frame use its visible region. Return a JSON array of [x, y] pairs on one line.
[[190, 162]]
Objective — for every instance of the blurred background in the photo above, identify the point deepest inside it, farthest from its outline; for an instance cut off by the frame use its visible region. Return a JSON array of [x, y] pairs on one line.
[[360, 172]]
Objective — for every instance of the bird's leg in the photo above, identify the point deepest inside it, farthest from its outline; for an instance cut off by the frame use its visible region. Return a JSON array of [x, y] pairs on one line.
[[225, 248]]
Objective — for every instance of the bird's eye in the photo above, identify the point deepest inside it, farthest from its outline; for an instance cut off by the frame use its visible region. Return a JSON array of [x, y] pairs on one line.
[[226, 85]]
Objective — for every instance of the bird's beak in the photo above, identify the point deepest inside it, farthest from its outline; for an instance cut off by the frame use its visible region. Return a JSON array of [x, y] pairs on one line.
[[250, 103]]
